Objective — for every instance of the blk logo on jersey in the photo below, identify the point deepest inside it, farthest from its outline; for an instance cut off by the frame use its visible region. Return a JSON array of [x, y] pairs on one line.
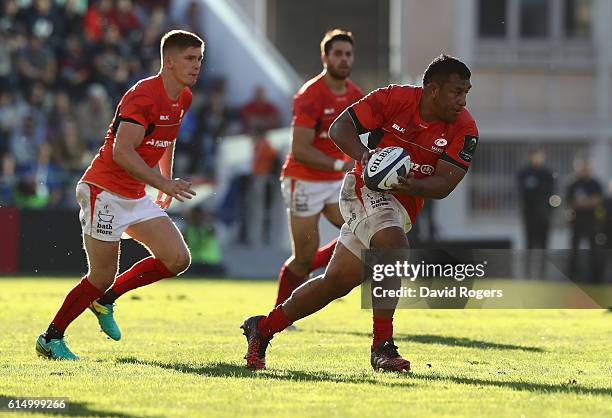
[[164, 117], [329, 111], [398, 128]]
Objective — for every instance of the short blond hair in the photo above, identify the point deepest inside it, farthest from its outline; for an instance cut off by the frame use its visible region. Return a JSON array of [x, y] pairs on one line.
[[179, 40]]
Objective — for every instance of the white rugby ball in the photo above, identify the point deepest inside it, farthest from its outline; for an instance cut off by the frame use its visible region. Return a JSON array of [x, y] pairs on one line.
[[384, 167]]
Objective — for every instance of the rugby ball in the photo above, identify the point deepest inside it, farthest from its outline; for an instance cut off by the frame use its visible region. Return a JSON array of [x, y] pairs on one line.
[[384, 167]]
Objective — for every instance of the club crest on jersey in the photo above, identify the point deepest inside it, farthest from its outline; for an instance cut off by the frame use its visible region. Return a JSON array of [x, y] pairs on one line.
[[398, 128], [440, 142], [159, 143]]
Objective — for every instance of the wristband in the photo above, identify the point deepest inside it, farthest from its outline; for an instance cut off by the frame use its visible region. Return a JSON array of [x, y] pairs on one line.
[[338, 165]]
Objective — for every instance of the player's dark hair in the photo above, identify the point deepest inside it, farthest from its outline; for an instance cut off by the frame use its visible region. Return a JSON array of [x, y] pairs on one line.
[[442, 67], [334, 35], [179, 40]]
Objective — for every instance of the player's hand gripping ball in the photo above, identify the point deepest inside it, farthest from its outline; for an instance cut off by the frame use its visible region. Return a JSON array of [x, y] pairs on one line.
[[384, 167]]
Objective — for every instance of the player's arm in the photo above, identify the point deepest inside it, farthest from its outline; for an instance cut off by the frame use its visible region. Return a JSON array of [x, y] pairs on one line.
[[129, 136], [447, 176], [363, 116], [345, 134], [450, 168], [167, 161], [303, 151], [165, 168]]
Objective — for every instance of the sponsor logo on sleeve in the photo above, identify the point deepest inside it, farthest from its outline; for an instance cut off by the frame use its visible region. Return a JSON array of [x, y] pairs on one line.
[[469, 147]]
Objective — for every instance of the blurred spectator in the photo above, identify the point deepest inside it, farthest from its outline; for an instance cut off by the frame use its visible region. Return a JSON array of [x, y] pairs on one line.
[[30, 194], [41, 19], [9, 22], [259, 115], [201, 238], [148, 49], [607, 224], [261, 187], [191, 18], [189, 141], [93, 116], [124, 17], [74, 69], [9, 118], [69, 157], [584, 197], [34, 107], [27, 149], [36, 62], [70, 19], [157, 20], [110, 63], [7, 78], [96, 19], [213, 123], [536, 185]]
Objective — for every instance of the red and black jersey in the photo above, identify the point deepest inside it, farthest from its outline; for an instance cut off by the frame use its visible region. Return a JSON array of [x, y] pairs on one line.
[[146, 104], [316, 106], [391, 115]]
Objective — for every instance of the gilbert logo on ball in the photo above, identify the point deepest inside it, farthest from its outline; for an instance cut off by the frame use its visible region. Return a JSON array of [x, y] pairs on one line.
[[384, 168]]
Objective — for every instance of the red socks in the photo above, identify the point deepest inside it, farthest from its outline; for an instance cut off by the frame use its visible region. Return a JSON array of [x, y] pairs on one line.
[[276, 321], [382, 330], [146, 271], [77, 300], [288, 281], [323, 255]]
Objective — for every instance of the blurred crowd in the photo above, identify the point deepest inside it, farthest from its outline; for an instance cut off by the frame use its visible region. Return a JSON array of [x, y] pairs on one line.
[[587, 211], [64, 65]]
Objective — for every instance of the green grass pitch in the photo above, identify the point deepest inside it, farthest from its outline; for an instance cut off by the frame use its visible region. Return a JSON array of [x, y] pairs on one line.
[[181, 355]]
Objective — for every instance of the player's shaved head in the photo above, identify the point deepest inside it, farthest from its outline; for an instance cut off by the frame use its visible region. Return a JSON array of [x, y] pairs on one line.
[[179, 40], [442, 67], [334, 35]]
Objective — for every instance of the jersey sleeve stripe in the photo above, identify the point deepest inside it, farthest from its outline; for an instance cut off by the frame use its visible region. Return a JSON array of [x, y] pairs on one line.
[[358, 125], [121, 119], [447, 158]]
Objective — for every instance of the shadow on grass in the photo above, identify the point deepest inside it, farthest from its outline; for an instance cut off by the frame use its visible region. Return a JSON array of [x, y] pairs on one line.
[[239, 371], [450, 341], [516, 385], [73, 409], [229, 370]]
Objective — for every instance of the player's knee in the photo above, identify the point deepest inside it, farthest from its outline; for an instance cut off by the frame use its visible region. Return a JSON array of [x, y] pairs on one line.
[[102, 278], [301, 265], [303, 259], [180, 261]]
